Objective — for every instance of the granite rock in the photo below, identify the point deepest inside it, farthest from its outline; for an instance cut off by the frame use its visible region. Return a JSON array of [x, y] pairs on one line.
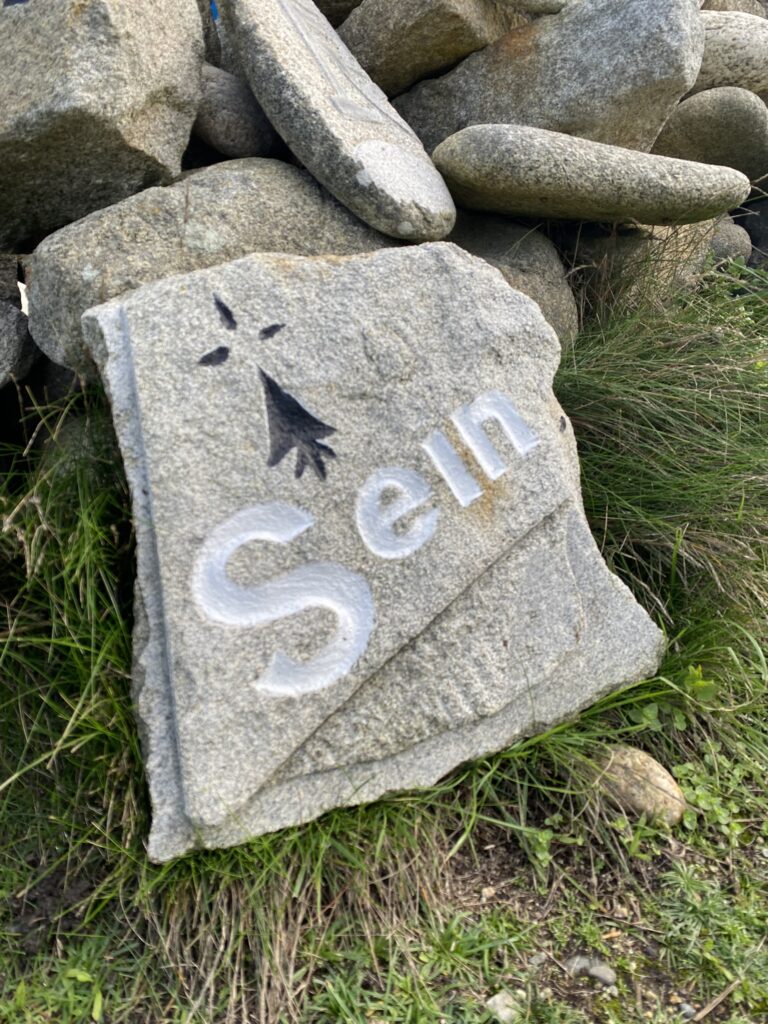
[[230, 119], [528, 261], [730, 241], [408, 607], [585, 71], [753, 7], [212, 216], [635, 780], [97, 101], [530, 172], [725, 126], [17, 351], [735, 51], [336, 120], [399, 42]]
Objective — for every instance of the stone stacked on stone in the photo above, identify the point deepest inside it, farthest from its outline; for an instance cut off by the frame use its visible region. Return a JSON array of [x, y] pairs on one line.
[[725, 126], [209, 217], [735, 51], [336, 120], [425, 589], [399, 42], [96, 102], [531, 172], [585, 71]]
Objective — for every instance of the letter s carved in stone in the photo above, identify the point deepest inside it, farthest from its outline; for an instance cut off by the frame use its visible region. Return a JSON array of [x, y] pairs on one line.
[[315, 585]]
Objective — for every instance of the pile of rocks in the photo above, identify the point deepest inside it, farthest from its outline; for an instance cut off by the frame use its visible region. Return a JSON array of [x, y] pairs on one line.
[[207, 200]]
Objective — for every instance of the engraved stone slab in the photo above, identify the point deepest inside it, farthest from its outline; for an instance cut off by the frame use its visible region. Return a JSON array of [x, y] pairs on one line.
[[337, 122], [362, 556]]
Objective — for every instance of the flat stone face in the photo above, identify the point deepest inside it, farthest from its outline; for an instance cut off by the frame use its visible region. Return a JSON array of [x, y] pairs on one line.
[[735, 51], [209, 217], [530, 172], [585, 71], [725, 126], [362, 556], [337, 122], [97, 100], [399, 42]]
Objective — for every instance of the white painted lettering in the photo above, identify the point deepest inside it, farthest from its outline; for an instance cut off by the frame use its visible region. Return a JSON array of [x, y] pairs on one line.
[[492, 405], [376, 521], [315, 585], [450, 467]]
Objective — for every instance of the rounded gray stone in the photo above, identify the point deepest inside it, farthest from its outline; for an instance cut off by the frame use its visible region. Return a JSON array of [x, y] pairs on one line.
[[97, 102], [730, 241], [726, 126], [209, 217], [531, 172], [230, 119], [336, 120], [735, 51], [529, 262], [585, 71], [399, 42]]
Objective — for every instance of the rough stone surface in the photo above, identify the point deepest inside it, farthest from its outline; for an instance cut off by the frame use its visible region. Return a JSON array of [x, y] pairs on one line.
[[725, 126], [212, 216], [97, 101], [430, 630], [336, 11], [585, 71], [230, 119], [730, 241], [336, 121], [754, 7], [637, 781], [735, 51], [399, 42], [507, 1007], [17, 351], [527, 171], [528, 261]]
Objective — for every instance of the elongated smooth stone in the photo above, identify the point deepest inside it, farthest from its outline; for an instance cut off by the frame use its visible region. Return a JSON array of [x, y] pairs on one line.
[[529, 171], [336, 120]]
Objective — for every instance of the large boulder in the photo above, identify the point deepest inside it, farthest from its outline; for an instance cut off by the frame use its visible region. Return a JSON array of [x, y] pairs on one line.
[[336, 120], [97, 101], [735, 51], [209, 217], [601, 70], [424, 588], [534, 173], [399, 42]]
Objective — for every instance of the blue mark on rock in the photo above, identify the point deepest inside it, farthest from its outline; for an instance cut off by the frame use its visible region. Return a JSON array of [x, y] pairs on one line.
[[214, 9], [14, 3]]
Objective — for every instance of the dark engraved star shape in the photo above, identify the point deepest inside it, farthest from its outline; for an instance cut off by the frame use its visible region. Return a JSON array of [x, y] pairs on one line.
[[291, 426]]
